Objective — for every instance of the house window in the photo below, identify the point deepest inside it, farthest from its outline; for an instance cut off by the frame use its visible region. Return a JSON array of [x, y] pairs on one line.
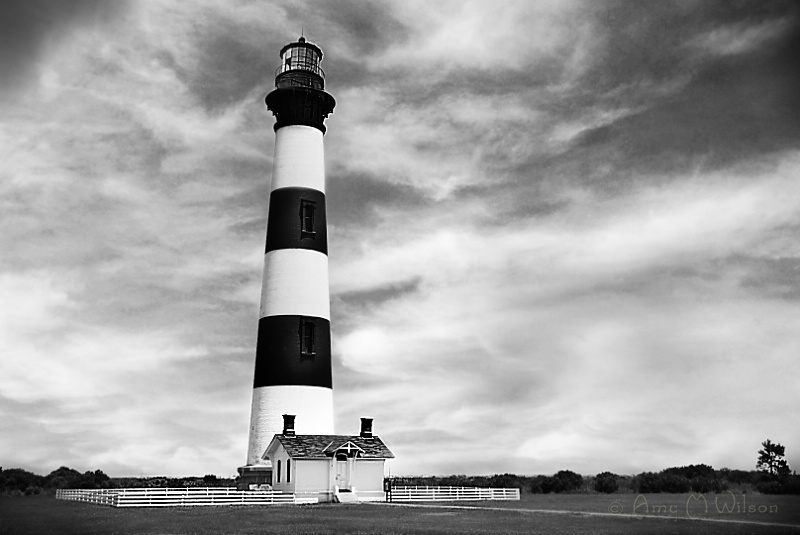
[[307, 337], [307, 209], [288, 470], [279, 471]]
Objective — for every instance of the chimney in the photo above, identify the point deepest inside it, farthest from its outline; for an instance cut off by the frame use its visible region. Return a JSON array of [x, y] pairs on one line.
[[366, 427], [288, 425]]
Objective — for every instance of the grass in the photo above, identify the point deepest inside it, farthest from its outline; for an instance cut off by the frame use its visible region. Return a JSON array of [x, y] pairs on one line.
[[44, 515], [723, 506]]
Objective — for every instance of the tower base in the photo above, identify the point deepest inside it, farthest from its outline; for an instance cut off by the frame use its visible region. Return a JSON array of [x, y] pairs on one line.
[[255, 477]]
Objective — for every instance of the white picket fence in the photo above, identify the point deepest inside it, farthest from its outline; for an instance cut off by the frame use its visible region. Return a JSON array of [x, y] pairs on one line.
[[181, 497], [99, 496], [185, 497], [448, 494]]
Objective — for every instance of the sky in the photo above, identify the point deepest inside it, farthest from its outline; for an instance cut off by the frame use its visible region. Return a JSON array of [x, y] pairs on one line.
[[562, 234]]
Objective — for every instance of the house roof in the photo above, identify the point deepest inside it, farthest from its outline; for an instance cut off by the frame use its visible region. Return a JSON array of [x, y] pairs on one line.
[[322, 446]]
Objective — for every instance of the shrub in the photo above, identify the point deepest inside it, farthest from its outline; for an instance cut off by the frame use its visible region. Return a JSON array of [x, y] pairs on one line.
[[506, 481], [769, 487], [58, 482], [783, 485], [676, 484], [18, 479], [562, 481], [737, 476], [536, 485], [706, 484], [692, 471], [606, 482], [647, 482]]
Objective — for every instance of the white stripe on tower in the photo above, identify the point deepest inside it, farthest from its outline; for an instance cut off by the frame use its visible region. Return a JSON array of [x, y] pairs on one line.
[[295, 283], [293, 361], [299, 160]]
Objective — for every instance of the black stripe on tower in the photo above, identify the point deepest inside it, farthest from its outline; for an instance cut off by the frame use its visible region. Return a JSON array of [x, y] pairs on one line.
[[300, 106], [293, 350], [297, 220]]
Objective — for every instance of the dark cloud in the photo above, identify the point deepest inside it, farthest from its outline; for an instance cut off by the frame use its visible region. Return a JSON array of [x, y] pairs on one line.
[[734, 108], [229, 68], [355, 200], [228, 64], [349, 32], [366, 28], [773, 277], [233, 60], [647, 41], [28, 26], [348, 308], [378, 296], [404, 88]]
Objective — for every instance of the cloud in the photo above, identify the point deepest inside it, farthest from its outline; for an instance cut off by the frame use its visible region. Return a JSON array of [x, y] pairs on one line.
[[121, 256], [510, 322], [457, 35], [555, 227], [740, 38], [31, 29]]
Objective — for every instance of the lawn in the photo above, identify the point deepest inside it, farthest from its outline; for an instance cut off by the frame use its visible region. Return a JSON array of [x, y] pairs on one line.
[[45, 515], [723, 506]]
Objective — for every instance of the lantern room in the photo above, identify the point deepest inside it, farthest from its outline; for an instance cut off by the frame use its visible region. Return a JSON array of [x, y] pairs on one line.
[[300, 66]]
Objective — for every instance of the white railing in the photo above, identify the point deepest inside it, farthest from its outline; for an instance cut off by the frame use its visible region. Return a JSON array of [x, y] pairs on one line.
[[178, 497], [99, 496], [442, 494], [185, 497]]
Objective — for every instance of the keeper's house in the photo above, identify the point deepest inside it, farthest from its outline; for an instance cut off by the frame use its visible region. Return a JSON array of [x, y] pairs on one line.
[[334, 467]]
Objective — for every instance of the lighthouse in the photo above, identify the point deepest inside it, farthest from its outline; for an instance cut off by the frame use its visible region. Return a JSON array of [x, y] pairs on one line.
[[293, 350]]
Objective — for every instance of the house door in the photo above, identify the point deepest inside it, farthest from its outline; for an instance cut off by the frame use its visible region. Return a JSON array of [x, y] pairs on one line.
[[342, 472]]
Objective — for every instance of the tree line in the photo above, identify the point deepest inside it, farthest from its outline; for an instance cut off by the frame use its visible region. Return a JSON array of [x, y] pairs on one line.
[[698, 478], [693, 478], [16, 481], [19, 481], [772, 476]]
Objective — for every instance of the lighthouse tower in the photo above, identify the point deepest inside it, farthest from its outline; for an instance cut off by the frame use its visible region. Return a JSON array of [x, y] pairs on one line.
[[293, 353]]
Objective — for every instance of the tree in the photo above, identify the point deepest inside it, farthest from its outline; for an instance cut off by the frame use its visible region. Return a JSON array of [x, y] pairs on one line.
[[606, 482], [771, 461], [562, 481], [63, 478], [17, 479]]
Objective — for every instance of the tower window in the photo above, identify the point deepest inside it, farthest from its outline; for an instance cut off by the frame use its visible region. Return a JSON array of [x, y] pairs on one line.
[[307, 337], [279, 470], [307, 209], [288, 470]]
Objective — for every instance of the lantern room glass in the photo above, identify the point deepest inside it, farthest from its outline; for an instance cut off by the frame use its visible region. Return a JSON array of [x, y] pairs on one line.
[[300, 57], [300, 66]]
